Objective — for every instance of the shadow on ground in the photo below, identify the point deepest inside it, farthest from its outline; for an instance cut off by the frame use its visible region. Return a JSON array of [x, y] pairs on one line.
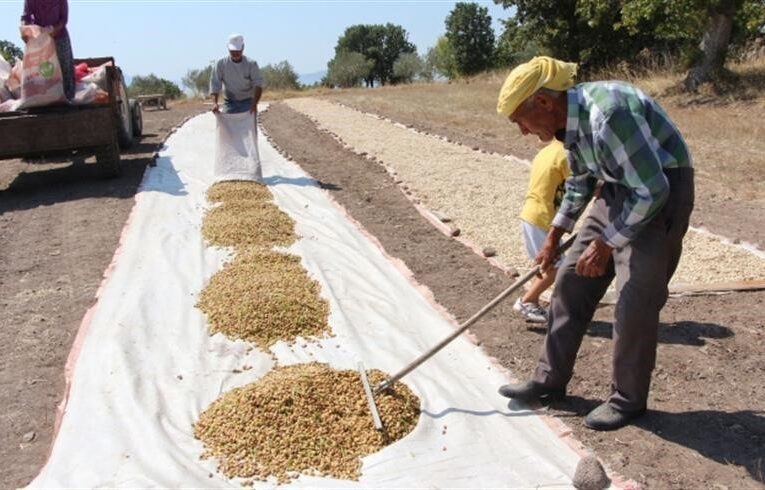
[[679, 333], [74, 179], [729, 438]]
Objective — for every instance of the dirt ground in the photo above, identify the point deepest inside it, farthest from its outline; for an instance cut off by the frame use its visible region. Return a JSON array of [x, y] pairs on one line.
[[60, 224], [727, 143], [706, 423]]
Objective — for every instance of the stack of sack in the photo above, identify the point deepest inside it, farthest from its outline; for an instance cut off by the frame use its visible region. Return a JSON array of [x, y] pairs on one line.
[[91, 84]]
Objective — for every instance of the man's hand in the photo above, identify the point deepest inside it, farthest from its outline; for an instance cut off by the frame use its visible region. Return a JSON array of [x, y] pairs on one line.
[[594, 259], [549, 252], [254, 108], [215, 108]]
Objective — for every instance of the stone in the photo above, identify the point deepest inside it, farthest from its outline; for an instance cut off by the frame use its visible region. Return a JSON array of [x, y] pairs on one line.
[[489, 252], [441, 217], [455, 231], [29, 436], [590, 475]]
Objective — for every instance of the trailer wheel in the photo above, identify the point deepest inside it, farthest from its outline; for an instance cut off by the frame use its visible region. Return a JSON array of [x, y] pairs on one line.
[[108, 160], [137, 115], [125, 130]]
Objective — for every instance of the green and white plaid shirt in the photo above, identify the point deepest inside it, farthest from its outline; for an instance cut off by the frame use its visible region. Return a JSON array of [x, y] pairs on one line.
[[618, 134]]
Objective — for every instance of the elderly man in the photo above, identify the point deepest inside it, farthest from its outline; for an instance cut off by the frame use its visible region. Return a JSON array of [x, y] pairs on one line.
[[616, 134], [240, 77]]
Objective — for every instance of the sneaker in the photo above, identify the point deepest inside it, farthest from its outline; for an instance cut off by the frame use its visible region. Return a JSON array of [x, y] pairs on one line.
[[532, 312]]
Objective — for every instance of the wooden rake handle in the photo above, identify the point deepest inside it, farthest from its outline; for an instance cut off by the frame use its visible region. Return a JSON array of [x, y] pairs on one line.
[[384, 385]]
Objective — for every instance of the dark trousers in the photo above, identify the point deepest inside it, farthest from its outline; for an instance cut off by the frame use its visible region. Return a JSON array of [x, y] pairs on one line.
[[66, 60], [642, 269]]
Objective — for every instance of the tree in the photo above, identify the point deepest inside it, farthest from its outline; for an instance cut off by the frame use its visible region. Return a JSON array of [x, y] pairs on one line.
[[152, 84], [589, 32], [198, 81], [714, 43], [709, 28], [468, 29], [10, 52], [348, 69], [380, 44], [428, 70], [367, 41], [441, 58], [599, 32], [280, 76], [395, 44], [407, 67]]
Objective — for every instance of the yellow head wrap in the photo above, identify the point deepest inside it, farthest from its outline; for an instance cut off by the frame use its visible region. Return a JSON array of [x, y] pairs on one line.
[[527, 78]]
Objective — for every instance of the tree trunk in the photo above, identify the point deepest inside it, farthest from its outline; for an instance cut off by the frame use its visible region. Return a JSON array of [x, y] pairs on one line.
[[714, 45]]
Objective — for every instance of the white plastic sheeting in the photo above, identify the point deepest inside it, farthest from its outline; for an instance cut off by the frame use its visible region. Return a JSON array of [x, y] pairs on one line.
[[236, 149], [147, 366]]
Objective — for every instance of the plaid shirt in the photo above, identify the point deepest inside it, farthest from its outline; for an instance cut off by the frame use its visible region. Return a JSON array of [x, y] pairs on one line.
[[617, 134]]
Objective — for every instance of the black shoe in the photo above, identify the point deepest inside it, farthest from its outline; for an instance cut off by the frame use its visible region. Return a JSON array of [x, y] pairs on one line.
[[531, 391], [606, 417]]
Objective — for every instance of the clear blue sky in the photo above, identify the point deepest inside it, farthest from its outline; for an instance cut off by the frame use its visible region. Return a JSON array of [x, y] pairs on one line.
[[167, 37]]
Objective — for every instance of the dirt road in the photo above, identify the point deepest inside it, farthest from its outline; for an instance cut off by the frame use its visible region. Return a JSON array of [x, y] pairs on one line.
[[59, 227], [706, 423]]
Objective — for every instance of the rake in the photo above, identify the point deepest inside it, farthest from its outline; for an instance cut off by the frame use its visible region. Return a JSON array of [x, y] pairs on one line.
[[386, 384]]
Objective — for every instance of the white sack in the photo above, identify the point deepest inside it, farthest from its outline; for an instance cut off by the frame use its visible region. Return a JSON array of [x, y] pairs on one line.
[[5, 74], [42, 82], [236, 149]]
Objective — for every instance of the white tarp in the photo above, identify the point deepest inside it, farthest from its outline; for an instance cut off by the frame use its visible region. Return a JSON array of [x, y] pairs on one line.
[[147, 366], [236, 149]]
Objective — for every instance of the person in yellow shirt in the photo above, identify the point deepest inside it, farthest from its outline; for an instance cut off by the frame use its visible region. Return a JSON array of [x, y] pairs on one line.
[[549, 171]]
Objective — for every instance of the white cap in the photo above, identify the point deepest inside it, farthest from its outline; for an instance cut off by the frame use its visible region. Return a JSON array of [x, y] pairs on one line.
[[235, 42]]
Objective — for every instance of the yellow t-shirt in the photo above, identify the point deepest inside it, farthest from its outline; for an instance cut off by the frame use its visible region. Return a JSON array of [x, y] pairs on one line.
[[548, 172]]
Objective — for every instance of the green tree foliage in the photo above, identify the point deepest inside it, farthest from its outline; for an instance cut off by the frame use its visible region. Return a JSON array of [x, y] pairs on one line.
[[407, 67], [586, 31], [348, 69], [468, 29], [10, 52], [198, 81], [380, 44], [152, 84], [280, 76], [709, 28], [601, 32], [428, 70], [441, 58]]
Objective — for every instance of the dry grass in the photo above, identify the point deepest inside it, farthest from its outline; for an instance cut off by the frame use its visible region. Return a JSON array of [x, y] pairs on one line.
[[276, 95], [483, 193], [264, 297], [306, 418], [724, 132]]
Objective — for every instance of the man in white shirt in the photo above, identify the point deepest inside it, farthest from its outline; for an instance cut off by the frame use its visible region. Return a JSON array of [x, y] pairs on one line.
[[238, 77]]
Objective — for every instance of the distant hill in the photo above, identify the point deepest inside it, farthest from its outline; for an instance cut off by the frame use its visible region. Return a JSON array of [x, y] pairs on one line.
[[311, 78]]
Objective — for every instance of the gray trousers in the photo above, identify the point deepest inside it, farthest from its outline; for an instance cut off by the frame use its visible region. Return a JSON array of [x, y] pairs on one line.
[[643, 269]]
